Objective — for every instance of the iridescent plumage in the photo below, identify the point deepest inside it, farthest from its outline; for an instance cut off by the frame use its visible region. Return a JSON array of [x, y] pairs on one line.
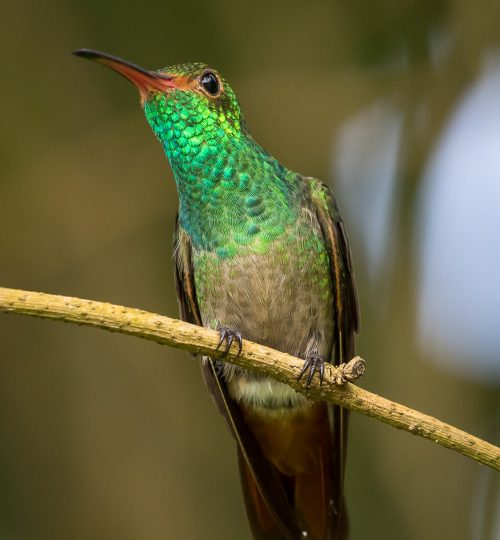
[[262, 251]]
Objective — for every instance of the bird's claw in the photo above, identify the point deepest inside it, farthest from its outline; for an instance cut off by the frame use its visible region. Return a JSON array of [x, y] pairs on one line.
[[227, 335], [313, 362]]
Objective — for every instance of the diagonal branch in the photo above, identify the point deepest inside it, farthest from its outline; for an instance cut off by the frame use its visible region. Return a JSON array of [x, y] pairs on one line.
[[278, 365]]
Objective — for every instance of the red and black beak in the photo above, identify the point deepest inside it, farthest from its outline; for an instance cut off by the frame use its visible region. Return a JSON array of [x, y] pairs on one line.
[[144, 80]]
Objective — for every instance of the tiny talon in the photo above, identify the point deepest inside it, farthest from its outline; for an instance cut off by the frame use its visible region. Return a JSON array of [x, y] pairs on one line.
[[228, 335], [240, 342], [303, 370], [311, 374], [229, 342], [222, 334], [314, 363]]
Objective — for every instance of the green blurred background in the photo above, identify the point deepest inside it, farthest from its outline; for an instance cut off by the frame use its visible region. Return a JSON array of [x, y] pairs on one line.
[[104, 436]]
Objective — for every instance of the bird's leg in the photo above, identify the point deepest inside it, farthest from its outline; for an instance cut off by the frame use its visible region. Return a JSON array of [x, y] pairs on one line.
[[227, 335], [313, 362]]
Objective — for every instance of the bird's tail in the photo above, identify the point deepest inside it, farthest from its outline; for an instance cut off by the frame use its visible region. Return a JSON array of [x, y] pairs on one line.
[[300, 448]]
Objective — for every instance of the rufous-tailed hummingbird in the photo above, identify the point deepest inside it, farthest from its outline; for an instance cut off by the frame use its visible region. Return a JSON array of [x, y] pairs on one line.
[[260, 253]]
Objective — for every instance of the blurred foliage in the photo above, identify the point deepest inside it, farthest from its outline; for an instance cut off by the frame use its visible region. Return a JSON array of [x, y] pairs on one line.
[[103, 436]]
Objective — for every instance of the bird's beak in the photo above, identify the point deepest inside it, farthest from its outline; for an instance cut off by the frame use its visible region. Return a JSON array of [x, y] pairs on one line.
[[144, 80]]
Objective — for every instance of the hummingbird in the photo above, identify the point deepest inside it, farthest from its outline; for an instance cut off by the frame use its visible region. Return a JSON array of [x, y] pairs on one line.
[[260, 253]]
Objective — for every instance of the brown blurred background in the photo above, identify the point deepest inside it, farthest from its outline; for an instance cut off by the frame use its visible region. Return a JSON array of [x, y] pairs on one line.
[[103, 436]]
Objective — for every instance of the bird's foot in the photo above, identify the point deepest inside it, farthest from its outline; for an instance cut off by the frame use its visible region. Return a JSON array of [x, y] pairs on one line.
[[312, 363], [228, 336]]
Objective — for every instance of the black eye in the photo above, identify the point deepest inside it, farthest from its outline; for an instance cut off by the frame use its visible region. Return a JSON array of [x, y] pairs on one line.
[[210, 83]]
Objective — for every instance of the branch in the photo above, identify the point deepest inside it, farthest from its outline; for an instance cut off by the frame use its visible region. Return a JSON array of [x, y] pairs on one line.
[[278, 365]]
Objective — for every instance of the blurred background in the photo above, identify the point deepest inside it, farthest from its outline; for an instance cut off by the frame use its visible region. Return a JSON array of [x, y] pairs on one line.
[[396, 105]]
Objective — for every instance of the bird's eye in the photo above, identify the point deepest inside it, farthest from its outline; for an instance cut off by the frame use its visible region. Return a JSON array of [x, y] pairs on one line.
[[210, 83]]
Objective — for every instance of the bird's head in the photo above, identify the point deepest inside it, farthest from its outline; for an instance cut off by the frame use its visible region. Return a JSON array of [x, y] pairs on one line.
[[187, 105]]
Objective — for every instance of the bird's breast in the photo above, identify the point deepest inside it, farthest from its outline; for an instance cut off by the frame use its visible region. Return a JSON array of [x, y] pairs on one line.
[[282, 299]]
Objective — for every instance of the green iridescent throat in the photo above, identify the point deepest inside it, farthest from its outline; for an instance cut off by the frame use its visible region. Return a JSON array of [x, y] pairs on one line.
[[232, 193]]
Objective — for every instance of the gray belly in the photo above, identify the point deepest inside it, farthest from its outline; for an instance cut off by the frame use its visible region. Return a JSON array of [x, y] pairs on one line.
[[272, 299]]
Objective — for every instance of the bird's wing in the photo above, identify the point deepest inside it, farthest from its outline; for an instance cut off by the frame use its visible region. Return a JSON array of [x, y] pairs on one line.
[[283, 525], [346, 297], [346, 325], [184, 278]]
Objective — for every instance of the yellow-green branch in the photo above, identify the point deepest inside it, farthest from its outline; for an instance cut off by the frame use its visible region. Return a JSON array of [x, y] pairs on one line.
[[278, 365]]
